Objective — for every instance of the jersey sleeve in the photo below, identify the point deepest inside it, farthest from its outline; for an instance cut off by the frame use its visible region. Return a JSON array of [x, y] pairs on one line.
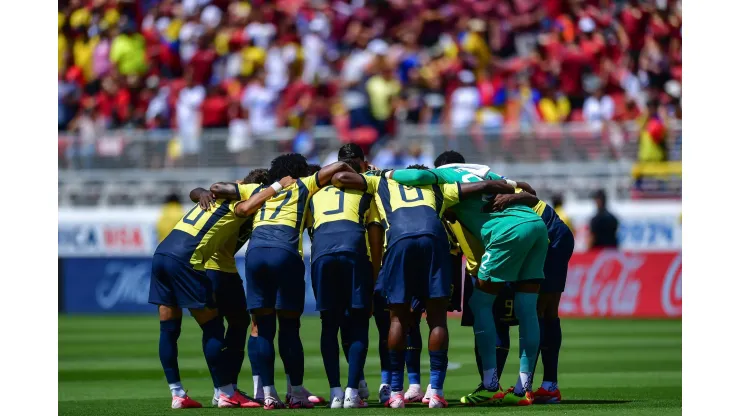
[[373, 215], [311, 183], [415, 177], [493, 177], [247, 189], [450, 194]]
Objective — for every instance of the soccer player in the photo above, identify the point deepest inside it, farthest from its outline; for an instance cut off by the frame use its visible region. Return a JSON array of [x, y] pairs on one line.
[[221, 270], [342, 280], [515, 242], [416, 264], [275, 277], [179, 280]]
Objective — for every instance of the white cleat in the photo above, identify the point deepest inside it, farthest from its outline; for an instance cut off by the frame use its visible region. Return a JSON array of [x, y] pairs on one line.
[[214, 400], [384, 393], [396, 402], [413, 394], [437, 402], [354, 403], [427, 395], [363, 390], [337, 402]]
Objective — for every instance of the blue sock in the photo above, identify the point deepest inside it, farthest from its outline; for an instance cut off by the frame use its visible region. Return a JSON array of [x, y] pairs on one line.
[[484, 327], [236, 340], [413, 354], [213, 349], [169, 332], [330, 349], [397, 364], [383, 322], [358, 348], [438, 371], [262, 351], [503, 343], [550, 347], [289, 341], [525, 305]]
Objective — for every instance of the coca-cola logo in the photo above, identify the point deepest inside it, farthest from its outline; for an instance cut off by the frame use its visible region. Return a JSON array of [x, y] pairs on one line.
[[606, 286], [123, 283], [670, 294]]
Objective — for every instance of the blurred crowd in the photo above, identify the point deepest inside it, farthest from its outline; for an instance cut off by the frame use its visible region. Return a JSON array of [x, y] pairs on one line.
[[364, 66]]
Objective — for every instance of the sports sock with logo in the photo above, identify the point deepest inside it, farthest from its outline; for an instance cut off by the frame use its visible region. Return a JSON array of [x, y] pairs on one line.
[[169, 332], [291, 348], [358, 348], [550, 342], [525, 305], [484, 329], [261, 350], [213, 349], [413, 354], [330, 349], [438, 369], [503, 343]]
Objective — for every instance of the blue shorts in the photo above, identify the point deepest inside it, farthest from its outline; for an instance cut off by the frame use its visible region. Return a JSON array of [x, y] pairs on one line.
[[275, 279], [417, 267], [342, 281], [559, 253], [177, 283], [229, 290]]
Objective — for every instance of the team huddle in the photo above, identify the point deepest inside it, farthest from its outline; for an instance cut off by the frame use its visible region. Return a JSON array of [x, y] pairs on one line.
[[387, 245]]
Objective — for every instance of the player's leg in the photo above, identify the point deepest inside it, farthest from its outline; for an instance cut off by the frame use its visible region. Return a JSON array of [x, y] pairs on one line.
[[290, 303], [505, 317], [532, 240], [399, 313], [161, 293], [551, 336], [261, 300], [357, 289], [325, 279], [413, 354], [383, 324]]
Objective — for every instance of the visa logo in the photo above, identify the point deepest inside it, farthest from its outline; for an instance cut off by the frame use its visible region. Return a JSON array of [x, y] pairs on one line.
[[123, 237]]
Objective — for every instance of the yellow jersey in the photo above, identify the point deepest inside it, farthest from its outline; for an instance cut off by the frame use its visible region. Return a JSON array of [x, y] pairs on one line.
[[223, 259], [200, 233], [170, 216], [338, 218], [408, 211], [281, 220], [469, 245]]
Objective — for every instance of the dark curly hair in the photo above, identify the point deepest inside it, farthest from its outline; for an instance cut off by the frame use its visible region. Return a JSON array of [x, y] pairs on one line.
[[351, 151], [312, 169], [260, 176], [352, 163], [450, 156], [420, 167], [289, 164]]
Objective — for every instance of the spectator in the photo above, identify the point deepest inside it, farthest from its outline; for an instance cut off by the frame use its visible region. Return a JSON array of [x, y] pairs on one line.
[[304, 143], [260, 105], [101, 64], [82, 50], [557, 205], [554, 106], [463, 104], [170, 215], [128, 51], [598, 109], [202, 61], [69, 94], [215, 108], [434, 102], [652, 142], [189, 117], [604, 225], [88, 127], [383, 90]]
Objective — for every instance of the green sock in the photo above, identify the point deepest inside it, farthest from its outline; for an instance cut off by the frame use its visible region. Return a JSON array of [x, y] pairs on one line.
[[484, 328], [525, 305]]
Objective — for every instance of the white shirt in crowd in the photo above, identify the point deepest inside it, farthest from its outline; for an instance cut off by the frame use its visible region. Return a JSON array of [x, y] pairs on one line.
[[596, 111], [261, 103], [188, 118], [313, 55], [189, 34], [464, 104], [354, 66], [261, 33]]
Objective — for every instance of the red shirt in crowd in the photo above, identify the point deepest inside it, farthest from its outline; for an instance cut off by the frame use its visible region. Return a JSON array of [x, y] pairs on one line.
[[214, 110], [202, 65]]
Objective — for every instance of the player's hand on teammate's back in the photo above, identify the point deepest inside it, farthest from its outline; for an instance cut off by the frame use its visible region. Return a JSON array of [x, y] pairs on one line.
[[287, 181], [206, 201], [500, 202]]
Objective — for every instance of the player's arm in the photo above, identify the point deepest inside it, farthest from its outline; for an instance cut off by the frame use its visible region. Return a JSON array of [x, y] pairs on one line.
[[376, 238], [473, 189], [524, 186], [226, 190], [501, 201], [326, 174], [203, 198], [254, 203], [349, 180], [413, 177]]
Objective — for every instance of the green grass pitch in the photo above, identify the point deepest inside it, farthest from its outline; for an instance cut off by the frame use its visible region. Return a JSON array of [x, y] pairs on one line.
[[109, 366]]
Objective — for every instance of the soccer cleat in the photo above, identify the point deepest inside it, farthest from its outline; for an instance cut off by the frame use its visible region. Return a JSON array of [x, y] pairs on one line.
[[272, 403], [545, 396], [337, 402], [300, 402], [236, 400], [184, 403], [396, 401], [384, 393], [427, 395], [437, 402], [363, 390], [482, 396], [311, 397], [354, 403], [413, 395], [513, 399]]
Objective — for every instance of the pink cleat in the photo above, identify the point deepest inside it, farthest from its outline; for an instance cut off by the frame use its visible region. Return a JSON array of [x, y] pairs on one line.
[[396, 401], [437, 402], [272, 403], [184, 403]]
